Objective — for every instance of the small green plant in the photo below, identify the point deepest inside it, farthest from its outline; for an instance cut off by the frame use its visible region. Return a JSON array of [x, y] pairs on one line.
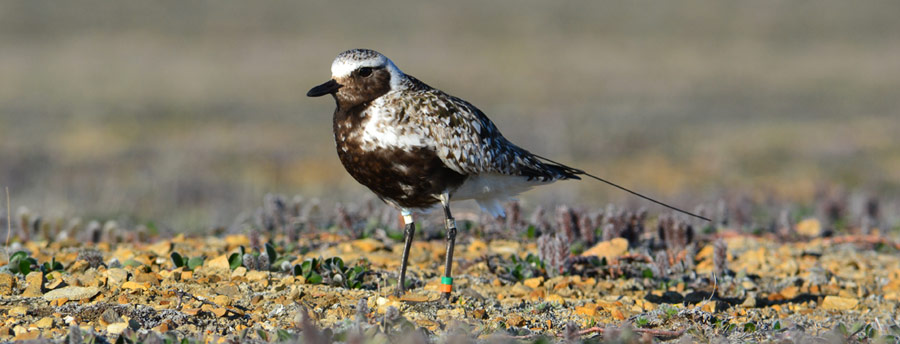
[[51, 266], [21, 262], [339, 274], [521, 269], [185, 263], [307, 269], [641, 321], [275, 261], [669, 311], [749, 327]]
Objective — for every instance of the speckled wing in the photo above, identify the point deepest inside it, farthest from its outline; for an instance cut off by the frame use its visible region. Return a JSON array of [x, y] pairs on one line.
[[469, 143]]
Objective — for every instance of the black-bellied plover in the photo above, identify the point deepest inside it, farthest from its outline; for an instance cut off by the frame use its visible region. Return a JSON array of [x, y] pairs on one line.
[[415, 147]]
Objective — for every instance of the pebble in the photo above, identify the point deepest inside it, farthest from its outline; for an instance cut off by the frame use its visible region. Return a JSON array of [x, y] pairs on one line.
[[7, 284], [534, 282], [72, 293], [116, 277], [220, 262], [116, 328], [45, 322], [608, 249], [839, 303], [34, 280]]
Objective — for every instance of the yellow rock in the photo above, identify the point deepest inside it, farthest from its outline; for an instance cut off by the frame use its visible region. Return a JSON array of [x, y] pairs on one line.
[[116, 328], [135, 285], [28, 335], [239, 272], [893, 285], [72, 293], [705, 253], [367, 245], [7, 284], [555, 298], [608, 249], [839, 303], [79, 266], [586, 310], [220, 262], [617, 313], [534, 282], [809, 228], [34, 280], [477, 248], [45, 322], [222, 300], [790, 292], [20, 310], [161, 248], [515, 320], [256, 275]]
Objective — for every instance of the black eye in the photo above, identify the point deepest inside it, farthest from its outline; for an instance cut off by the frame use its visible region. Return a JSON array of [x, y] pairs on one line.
[[365, 71]]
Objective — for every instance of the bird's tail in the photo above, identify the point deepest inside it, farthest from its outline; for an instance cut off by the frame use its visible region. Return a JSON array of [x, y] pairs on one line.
[[574, 172]]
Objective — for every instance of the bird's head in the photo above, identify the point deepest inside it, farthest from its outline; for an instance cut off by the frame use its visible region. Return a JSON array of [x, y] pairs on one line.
[[359, 76]]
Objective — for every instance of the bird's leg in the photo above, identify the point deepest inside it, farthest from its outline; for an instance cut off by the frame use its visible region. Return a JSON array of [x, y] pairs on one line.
[[409, 231], [447, 280]]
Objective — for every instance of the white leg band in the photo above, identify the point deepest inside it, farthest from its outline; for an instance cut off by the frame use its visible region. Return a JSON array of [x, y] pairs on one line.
[[407, 216]]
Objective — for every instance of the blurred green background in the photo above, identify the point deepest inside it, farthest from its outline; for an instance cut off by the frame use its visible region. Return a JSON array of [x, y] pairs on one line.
[[187, 113]]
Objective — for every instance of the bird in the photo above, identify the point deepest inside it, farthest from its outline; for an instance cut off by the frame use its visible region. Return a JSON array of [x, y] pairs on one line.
[[417, 148]]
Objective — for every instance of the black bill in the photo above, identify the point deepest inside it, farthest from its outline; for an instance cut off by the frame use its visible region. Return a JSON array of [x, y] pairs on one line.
[[327, 88]]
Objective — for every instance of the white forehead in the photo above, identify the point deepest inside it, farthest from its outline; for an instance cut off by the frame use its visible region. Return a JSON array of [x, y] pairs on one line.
[[351, 60]]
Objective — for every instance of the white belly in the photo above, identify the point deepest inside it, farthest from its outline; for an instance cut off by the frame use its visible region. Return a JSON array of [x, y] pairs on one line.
[[490, 190]]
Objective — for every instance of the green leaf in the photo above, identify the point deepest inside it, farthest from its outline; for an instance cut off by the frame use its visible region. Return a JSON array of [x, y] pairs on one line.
[[262, 334], [152, 229], [270, 250], [18, 255], [177, 259], [282, 259], [647, 273], [842, 329], [195, 262], [235, 260], [297, 270], [777, 326], [307, 266], [641, 321], [749, 327], [334, 263], [314, 278], [284, 336], [24, 266], [532, 232], [132, 263], [395, 235]]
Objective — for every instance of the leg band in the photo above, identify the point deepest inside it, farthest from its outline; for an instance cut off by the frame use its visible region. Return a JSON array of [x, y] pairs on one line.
[[446, 284], [407, 216]]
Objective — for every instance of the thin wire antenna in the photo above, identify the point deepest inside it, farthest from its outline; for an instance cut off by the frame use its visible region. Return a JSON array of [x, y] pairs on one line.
[[8, 223], [577, 171]]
